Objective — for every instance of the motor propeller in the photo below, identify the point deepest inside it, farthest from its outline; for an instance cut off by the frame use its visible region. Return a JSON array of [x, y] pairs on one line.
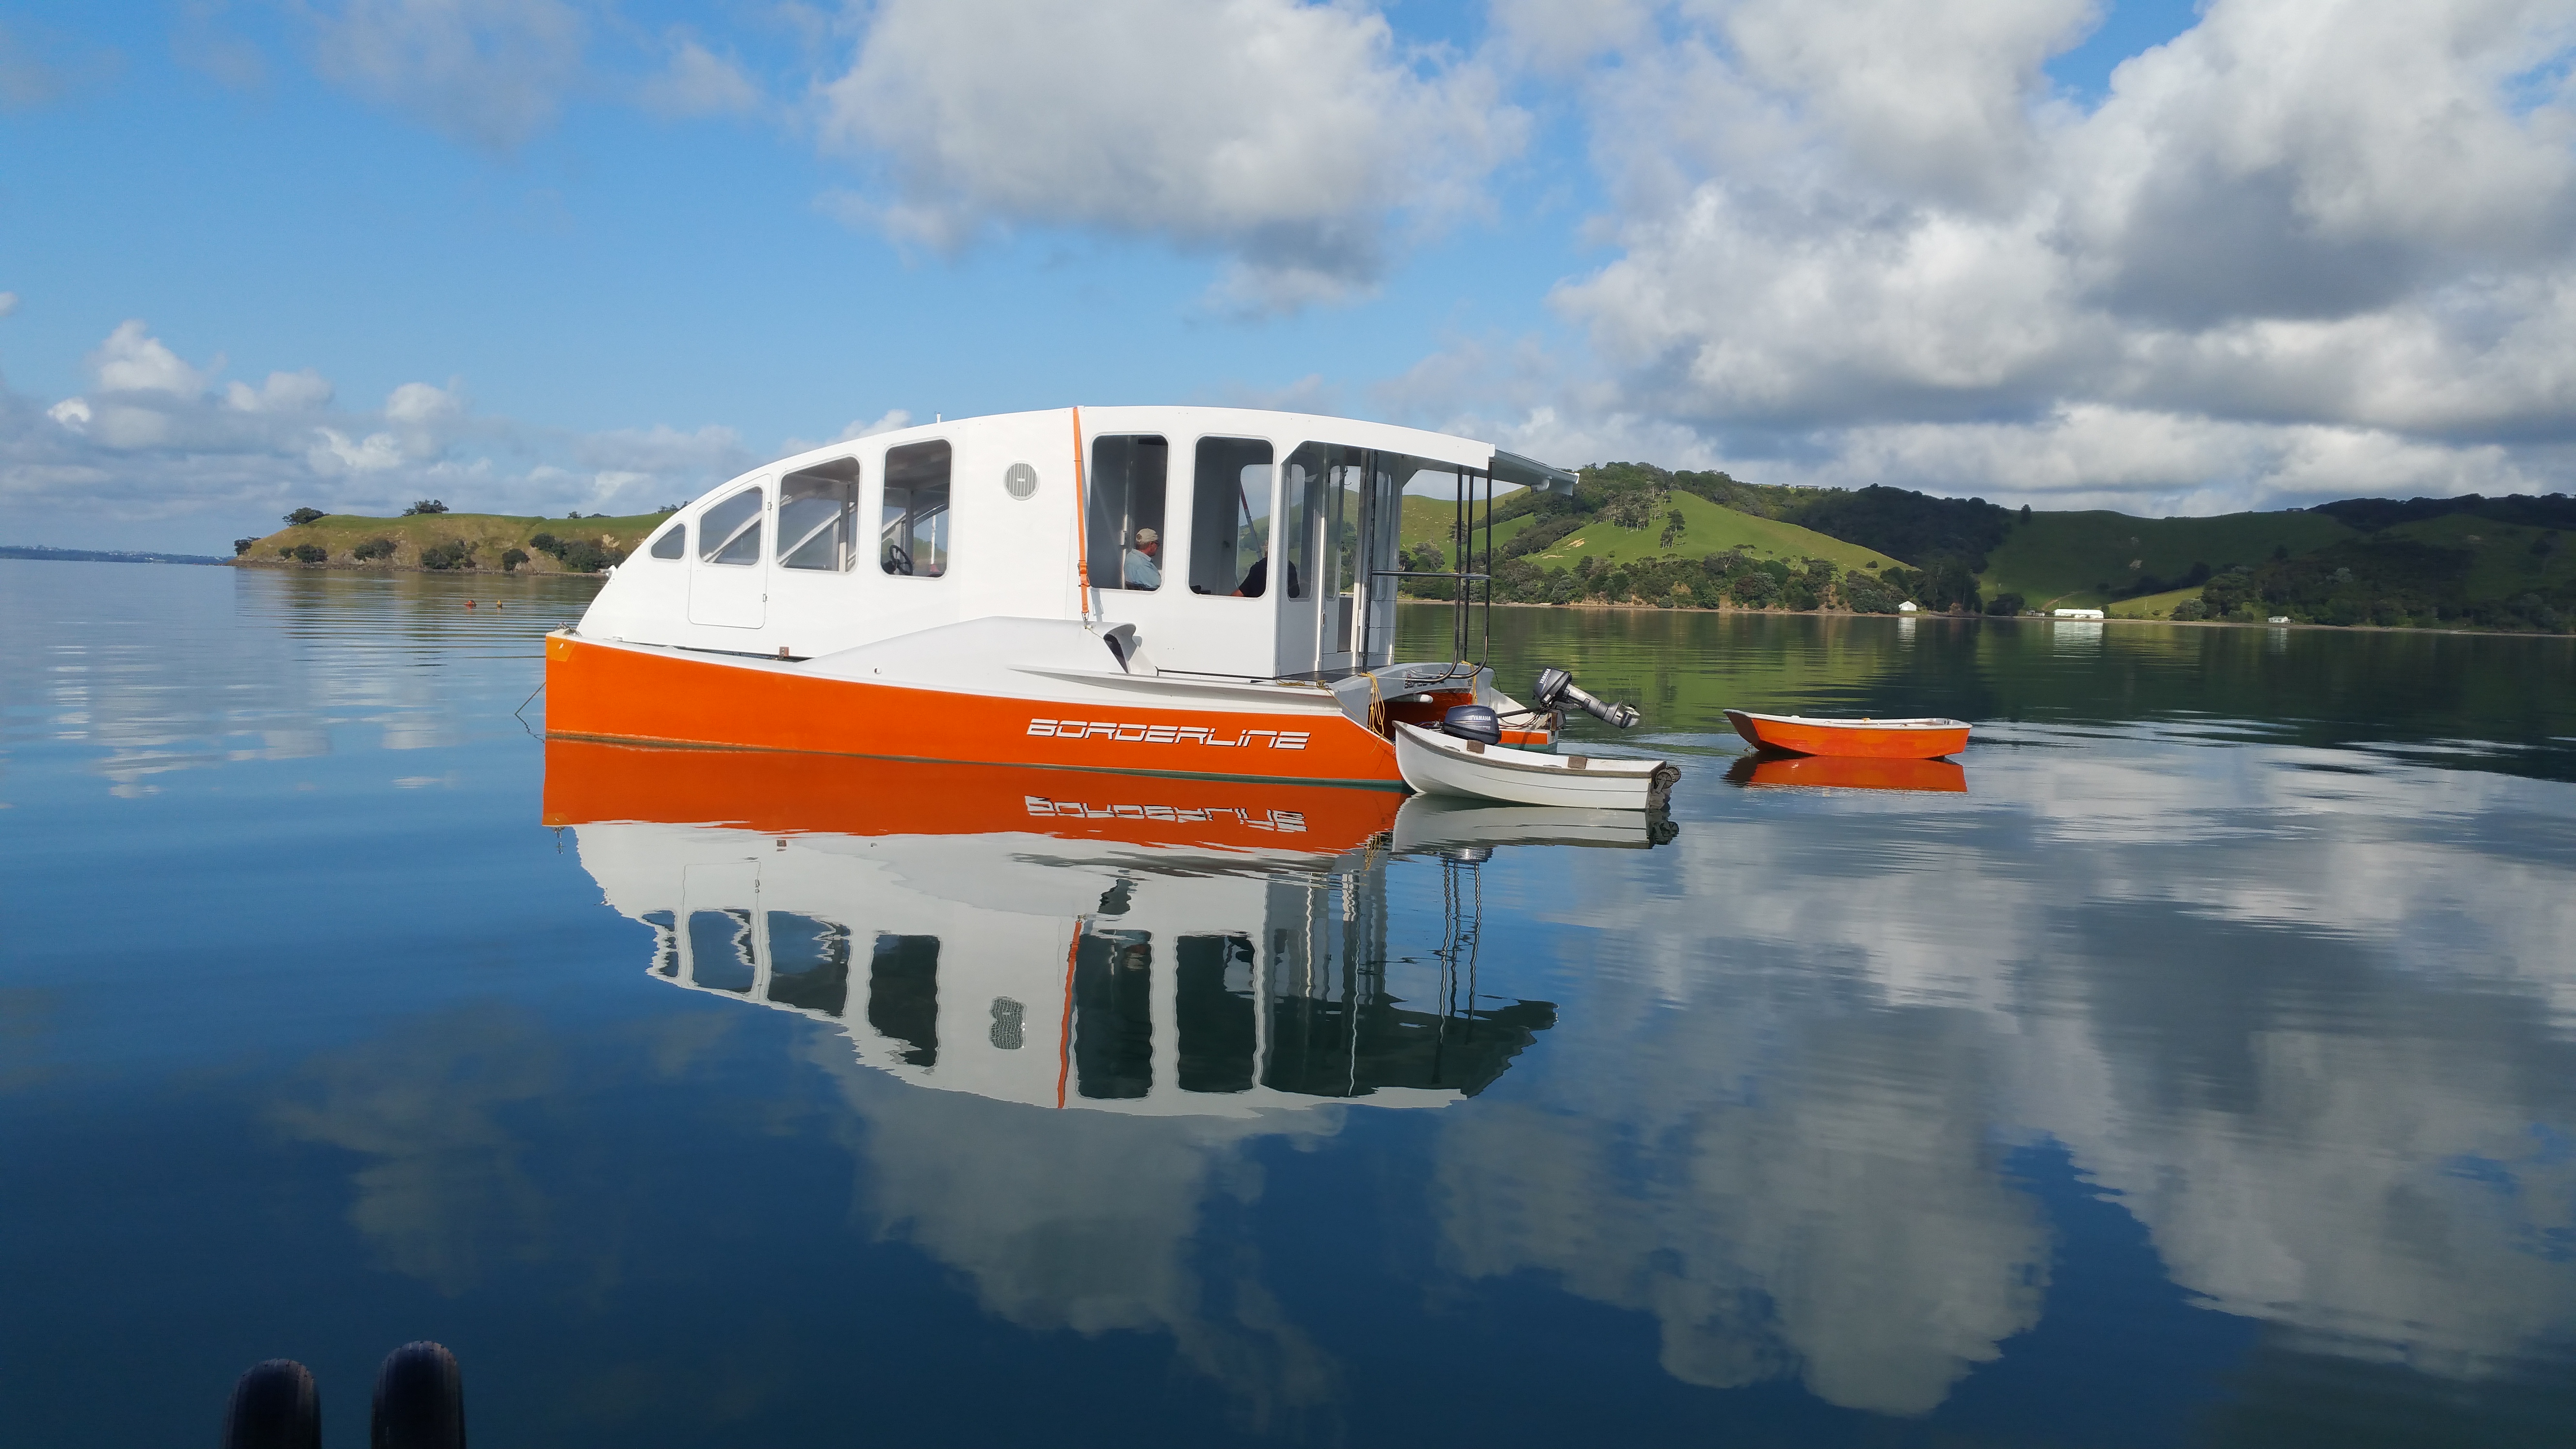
[[1556, 689]]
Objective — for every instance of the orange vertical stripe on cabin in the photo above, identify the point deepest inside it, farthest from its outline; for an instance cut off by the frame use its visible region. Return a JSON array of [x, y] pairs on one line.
[[1081, 535]]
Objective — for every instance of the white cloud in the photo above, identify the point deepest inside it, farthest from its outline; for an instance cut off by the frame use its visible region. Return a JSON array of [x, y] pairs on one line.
[[490, 72], [132, 360], [711, 453], [1933, 99], [2302, 249], [1556, 37], [284, 392], [1295, 139], [153, 441], [8, 303], [423, 406], [699, 82], [886, 422], [334, 454], [892, 420]]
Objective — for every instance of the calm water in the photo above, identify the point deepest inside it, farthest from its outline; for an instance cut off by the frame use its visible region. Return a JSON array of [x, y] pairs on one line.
[[2202, 1072]]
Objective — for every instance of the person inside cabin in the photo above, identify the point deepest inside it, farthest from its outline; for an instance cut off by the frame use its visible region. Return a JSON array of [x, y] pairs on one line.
[[1143, 566], [1256, 579]]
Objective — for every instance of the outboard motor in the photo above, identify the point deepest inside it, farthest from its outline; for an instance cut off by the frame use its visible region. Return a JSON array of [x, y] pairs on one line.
[[1556, 690], [1476, 722]]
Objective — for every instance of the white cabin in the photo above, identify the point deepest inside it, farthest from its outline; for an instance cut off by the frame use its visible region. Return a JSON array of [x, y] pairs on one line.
[[1170, 513]]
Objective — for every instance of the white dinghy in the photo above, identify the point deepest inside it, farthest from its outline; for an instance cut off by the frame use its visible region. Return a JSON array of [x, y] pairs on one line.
[[1440, 764]]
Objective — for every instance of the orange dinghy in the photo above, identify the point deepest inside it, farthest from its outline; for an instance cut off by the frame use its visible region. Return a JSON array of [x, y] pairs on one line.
[[1880, 739]]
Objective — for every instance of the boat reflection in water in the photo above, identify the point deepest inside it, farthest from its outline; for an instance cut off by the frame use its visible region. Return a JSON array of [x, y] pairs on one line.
[[1844, 772], [1139, 944]]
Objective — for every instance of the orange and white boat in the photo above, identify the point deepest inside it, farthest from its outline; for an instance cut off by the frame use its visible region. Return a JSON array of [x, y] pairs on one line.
[[1881, 739], [1179, 590]]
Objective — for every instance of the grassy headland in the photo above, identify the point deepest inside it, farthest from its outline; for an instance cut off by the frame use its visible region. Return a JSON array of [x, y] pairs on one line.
[[453, 542], [1707, 528]]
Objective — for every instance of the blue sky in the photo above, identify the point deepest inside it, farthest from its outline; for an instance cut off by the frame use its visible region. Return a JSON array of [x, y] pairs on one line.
[[617, 250]]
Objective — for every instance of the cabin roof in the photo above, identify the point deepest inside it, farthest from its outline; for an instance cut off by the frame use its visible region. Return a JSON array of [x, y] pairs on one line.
[[1256, 422]]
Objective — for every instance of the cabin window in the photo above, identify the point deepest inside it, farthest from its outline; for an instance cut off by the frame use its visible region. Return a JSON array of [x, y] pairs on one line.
[[673, 542], [1219, 1030], [730, 531], [903, 995], [913, 528], [818, 517], [1309, 513], [1113, 1014], [809, 963], [1230, 518], [720, 954], [1123, 536]]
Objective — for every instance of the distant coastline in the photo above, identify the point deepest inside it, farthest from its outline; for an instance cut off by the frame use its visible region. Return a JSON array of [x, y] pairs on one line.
[[104, 555], [1632, 606]]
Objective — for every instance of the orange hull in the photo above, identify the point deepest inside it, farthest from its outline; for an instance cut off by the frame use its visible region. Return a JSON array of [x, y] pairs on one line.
[[1861, 739], [778, 793], [598, 691], [1844, 772]]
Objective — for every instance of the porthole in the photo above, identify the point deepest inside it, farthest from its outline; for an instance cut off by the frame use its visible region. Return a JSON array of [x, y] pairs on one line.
[[1022, 480]]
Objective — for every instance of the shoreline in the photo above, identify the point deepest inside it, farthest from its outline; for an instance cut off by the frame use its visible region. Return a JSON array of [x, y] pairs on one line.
[[2025, 619], [288, 566]]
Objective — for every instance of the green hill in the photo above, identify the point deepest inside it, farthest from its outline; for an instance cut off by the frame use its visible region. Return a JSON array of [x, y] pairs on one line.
[[2505, 560], [2084, 560], [458, 542], [1427, 521], [2147, 606], [1706, 528]]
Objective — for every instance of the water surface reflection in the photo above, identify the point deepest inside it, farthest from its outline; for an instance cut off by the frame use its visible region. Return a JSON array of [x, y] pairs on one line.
[[2191, 1066], [1054, 938], [1165, 968]]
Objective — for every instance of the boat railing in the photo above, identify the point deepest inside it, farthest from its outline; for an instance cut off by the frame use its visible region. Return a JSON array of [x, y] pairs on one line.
[[1473, 616]]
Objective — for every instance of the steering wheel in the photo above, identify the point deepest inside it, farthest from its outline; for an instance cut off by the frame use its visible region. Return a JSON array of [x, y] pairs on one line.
[[901, 561]]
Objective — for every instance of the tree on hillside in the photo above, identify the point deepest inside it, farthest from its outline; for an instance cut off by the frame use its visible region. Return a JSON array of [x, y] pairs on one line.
[[1636, 507], [426, 505], [1910, 525], [2370, 515], [303, 516]]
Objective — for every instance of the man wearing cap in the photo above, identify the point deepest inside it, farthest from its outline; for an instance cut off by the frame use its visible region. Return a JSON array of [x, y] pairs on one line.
[[1143, 566]]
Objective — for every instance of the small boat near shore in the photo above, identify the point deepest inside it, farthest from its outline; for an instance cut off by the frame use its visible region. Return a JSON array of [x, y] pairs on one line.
[[1880, 739], [1436, 762]]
